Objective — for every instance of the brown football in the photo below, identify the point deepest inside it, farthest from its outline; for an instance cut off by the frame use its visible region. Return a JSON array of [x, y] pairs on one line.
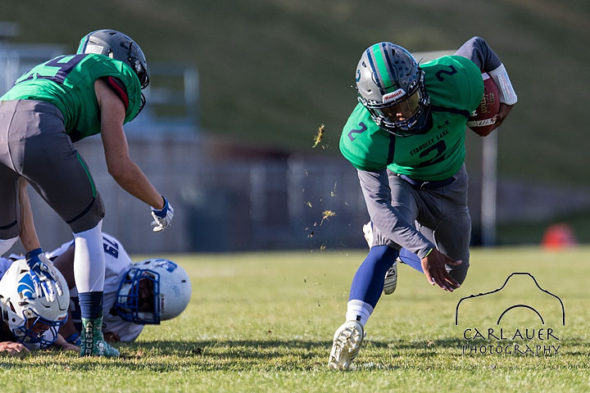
[[483, 120]]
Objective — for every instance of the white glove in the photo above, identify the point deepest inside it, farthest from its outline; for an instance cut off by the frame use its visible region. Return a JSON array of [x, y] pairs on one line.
[[163, 217]]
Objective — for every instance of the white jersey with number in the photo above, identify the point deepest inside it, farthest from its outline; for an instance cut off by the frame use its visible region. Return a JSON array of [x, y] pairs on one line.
[[117, 263]]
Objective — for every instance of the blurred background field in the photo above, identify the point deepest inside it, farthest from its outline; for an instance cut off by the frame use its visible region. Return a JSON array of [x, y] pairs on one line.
[[271, 72], [242, 175], [263, 322]]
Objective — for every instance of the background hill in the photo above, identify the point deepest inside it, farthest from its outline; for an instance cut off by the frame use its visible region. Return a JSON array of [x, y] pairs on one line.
[[273, 71]]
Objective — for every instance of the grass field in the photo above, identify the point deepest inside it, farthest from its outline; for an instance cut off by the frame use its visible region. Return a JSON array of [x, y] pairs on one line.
[[264, 323]]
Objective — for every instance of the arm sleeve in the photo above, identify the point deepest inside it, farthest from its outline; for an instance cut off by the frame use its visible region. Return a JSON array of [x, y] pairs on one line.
[[119, 88], [394, 223], [478, 51]]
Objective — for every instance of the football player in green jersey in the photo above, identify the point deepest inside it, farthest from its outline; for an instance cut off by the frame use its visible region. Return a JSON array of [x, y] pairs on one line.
[[406, 138], [96, 90]]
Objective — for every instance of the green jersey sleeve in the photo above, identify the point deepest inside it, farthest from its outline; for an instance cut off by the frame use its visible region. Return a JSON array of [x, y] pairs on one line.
[[363, 143], [68, 83]]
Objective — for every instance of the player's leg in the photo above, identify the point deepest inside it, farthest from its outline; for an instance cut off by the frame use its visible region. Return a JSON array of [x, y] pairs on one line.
[[368, 281], [9, 228], [412, 260], [390, 280], [452, 223], [60, 175], [405, 256], [365, 292]]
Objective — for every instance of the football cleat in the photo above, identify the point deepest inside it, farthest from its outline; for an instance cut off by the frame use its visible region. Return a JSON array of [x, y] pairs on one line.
[[92, 340], [347, 343], [390, 281]]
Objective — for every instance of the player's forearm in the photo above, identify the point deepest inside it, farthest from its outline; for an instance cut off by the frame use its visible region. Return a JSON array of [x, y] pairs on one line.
[[388, 219], [400, 232], [477, 50], [28, 234], [132, 179]]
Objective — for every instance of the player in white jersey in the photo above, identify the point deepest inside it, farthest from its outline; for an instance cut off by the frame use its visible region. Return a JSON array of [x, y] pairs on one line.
[[135, 294], [117, 263]]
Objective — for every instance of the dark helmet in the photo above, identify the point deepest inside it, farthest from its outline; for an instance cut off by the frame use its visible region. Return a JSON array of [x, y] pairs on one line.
[[116, 45], [391, 86]]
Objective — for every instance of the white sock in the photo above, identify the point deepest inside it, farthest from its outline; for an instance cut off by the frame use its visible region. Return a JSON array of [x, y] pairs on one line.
[[357, 310], [89, 260], [6, 244]]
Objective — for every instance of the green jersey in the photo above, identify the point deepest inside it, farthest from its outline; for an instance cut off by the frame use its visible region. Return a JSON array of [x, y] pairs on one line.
[[455, 87], [68, 83]]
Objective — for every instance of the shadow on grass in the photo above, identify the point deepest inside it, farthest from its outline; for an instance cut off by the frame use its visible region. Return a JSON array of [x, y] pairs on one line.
[[245, 355]]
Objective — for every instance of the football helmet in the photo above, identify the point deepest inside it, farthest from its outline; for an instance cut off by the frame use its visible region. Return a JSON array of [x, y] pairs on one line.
[[116, 45], [151, 291], [33, 316], [390, 84]]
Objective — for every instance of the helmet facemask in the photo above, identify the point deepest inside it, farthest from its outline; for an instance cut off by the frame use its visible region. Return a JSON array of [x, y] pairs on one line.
[[138, 297], [38, 330], [153, 290]]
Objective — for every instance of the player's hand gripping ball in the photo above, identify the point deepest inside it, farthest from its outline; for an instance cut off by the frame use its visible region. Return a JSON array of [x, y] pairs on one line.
[[484, 119]]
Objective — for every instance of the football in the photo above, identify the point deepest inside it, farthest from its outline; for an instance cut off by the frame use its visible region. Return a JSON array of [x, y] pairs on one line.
[[483, 120]]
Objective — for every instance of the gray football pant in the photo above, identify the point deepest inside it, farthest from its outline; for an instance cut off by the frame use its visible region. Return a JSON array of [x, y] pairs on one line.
[[440, 214], [34, 144]]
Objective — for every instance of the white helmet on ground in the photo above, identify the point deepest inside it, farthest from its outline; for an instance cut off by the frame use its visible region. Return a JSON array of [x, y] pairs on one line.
[[153, 290], [33, 315]]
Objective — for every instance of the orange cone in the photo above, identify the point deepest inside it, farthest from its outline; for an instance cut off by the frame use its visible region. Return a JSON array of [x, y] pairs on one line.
[[559, 236]]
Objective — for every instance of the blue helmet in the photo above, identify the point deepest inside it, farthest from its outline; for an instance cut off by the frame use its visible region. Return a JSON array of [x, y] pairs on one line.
[[390, 84], [151, 291]]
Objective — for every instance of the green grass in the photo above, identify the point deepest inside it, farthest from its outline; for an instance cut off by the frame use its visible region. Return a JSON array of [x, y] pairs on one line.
[[264, 322]]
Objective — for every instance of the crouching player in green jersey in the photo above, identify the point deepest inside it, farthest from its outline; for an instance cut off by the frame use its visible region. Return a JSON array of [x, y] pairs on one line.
[[59, 102], [406, 138]]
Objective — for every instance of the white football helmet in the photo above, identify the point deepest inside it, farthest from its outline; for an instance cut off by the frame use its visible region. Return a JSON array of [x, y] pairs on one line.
[[33, 316], [153, 290]]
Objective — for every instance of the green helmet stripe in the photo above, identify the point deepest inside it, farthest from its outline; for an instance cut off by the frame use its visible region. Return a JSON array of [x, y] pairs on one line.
[[382, 67]]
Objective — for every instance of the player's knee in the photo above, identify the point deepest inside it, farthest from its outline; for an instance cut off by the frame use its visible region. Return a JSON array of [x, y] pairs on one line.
[[459, 273], [90, 217], [382, 256]]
